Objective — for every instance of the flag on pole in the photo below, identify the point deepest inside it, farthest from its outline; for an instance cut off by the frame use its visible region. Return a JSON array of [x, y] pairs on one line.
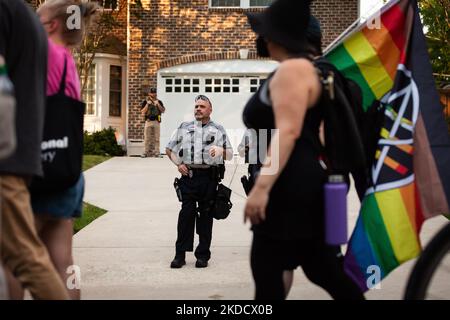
[[388, 58]]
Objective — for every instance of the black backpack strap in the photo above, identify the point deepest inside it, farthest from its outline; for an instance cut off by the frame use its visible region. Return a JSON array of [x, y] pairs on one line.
[[341, 125], [62, 85]]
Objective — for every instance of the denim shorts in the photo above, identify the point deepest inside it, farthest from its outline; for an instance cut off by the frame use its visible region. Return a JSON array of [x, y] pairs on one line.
[[62, 205]]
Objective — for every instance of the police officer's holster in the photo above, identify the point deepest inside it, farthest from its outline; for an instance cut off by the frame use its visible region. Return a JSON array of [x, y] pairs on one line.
[[198, 194]]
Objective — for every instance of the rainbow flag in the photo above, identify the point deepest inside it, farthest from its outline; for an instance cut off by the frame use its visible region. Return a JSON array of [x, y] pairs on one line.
[[411, 172]]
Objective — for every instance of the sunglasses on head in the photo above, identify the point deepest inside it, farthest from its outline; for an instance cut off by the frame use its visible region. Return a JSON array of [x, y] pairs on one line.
[[202, 97]]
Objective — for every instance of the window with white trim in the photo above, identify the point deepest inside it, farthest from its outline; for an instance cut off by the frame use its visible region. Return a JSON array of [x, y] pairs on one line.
[[222, 85], [260, 3], [255, 83], [89, 91], [239, 3], [182, 85], [213, 84], [115, 91]]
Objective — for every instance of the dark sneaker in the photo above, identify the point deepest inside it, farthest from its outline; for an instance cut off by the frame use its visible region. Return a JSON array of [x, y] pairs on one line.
[[201, 263], [177, 263]]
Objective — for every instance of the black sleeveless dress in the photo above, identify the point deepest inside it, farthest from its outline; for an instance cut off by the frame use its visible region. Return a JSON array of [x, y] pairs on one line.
[[295, 208]]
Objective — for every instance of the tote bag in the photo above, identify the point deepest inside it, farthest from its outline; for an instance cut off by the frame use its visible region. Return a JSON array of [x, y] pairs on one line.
[[62, 143]]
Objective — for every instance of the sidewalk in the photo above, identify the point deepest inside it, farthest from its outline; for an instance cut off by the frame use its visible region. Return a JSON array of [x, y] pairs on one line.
[[125, 254]]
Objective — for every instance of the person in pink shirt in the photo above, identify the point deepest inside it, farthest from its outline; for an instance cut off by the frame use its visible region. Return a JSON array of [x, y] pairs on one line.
[[55, 212], [57, 55]]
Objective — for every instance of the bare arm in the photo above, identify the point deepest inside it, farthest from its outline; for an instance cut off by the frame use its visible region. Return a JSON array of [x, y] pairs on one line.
[[290, 90], [293, 89], [144, 110], [160, 106], [176, 161], [226, 153]]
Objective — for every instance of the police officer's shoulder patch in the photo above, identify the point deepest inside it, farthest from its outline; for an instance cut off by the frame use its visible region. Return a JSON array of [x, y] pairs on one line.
[[185, 124]]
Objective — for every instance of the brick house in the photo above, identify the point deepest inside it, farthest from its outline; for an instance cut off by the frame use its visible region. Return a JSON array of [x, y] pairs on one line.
[[186, 47]]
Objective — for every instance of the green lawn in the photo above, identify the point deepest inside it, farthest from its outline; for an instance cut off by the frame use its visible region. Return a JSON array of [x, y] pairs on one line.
[[90, 212], [92, 161]]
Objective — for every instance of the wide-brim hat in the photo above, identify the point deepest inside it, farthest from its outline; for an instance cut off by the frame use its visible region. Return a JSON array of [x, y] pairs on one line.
[[284, 22]]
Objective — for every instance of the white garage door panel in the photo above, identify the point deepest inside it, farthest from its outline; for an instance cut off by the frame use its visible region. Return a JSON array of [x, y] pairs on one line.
[[178, 87]]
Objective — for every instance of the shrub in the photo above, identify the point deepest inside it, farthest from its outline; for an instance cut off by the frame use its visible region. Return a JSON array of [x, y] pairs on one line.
[[102, 143]]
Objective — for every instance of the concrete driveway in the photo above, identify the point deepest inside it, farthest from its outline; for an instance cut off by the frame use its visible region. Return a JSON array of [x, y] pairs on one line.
[[125, 254]]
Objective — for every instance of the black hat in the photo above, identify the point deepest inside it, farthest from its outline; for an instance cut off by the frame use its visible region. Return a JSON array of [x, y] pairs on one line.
[[284, 22]]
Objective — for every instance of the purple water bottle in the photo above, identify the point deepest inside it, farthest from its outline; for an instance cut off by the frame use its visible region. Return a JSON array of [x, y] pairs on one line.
[[335, 210]]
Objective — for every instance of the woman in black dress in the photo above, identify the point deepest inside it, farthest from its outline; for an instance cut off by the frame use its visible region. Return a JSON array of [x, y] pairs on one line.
[[285, 205]]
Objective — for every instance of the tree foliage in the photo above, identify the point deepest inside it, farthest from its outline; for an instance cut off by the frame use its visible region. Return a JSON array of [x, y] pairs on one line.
[[99, 36], [436, 18]]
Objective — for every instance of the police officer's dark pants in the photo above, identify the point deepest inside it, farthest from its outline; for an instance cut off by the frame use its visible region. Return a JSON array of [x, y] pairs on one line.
[[196, 193]]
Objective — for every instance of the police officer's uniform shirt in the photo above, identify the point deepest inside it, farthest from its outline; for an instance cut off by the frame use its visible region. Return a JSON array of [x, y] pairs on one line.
[[192, 141]]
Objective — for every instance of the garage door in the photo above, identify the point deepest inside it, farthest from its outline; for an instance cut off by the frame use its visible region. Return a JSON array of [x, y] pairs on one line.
[[229, 85]]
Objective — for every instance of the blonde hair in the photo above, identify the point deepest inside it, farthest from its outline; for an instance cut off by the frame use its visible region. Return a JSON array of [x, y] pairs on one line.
[[57, 9]]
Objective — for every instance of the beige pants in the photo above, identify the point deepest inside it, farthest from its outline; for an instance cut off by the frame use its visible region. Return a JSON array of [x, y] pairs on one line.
[[22, 251], [3, 284], [151, 138]]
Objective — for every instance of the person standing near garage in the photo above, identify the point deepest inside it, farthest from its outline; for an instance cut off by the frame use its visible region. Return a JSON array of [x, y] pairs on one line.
[[151, 109], [198, 148]]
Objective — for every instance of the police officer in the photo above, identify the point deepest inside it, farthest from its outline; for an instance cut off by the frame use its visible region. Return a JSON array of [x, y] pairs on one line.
[[198, 148]]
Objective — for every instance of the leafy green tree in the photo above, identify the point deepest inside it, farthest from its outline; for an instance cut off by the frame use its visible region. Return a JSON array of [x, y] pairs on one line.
[[102, 35], [436, 19]]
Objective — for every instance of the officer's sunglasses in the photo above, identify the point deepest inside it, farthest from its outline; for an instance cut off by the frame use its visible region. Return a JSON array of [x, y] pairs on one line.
[[202, 97]]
